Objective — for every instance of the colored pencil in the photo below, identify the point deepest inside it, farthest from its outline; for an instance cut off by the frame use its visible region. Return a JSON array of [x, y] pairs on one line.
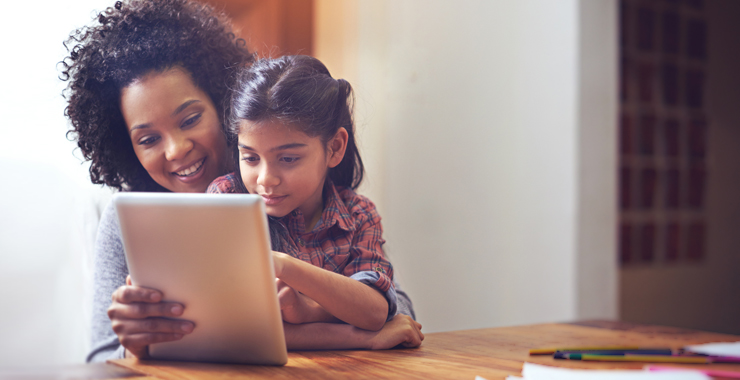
[[709, 372], [724, 359], [550, 351], [646, 359], [575, 355]]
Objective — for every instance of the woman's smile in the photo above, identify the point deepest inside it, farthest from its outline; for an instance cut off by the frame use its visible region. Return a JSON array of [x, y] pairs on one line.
[[191, 171]]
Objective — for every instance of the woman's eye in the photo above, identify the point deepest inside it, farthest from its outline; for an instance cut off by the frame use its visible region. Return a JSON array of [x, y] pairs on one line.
[[289, 160], [189, 122], [148, 140], [250, 159]]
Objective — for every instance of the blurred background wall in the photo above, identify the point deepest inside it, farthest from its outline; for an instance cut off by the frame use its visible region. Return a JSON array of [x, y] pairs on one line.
[[45, 192], [488, 129]]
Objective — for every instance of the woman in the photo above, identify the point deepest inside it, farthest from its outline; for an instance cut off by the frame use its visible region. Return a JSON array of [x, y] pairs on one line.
[[148, 92]]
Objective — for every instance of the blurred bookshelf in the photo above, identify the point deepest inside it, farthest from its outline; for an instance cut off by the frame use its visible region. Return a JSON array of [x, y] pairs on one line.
[[663, 131]]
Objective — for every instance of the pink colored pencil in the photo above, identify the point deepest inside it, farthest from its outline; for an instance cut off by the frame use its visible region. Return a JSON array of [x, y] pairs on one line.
[[710, 372]]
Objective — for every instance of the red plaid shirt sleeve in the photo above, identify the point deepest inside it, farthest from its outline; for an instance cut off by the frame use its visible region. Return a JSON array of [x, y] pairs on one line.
[[366, 249]]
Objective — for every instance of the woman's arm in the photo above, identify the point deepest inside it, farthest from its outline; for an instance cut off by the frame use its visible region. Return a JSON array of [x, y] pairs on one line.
[[405, 306], [109, 273], [123, 313]]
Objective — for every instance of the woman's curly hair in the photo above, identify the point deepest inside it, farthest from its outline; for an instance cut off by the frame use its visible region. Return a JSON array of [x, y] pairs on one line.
[[128, 41]]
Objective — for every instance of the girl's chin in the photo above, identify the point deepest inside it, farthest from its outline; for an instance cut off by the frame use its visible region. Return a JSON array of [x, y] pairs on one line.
[[275, 212]]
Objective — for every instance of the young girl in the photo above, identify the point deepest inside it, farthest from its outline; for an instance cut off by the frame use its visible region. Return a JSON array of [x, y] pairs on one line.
[[296, 149]]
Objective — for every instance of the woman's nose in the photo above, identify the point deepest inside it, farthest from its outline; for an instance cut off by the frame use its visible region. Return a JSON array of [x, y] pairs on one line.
[[177, 147]]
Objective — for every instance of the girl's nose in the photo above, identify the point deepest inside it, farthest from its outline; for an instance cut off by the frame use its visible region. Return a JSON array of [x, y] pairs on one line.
[[177, 147], [267, 177]]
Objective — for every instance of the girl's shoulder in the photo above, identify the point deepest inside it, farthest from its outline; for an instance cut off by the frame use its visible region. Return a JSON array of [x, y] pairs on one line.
[[226, 184], [358, 206]]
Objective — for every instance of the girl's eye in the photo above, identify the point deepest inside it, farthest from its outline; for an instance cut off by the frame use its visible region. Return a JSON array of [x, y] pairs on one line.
[[189, 122], [250, 159], [289, 160], [148, 140]]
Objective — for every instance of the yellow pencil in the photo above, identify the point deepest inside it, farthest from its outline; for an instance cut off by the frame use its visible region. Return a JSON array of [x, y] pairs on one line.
[[550, 351], [647, 359]]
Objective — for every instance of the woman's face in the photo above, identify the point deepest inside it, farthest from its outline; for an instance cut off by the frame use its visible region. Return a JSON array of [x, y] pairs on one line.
[[175, 130]]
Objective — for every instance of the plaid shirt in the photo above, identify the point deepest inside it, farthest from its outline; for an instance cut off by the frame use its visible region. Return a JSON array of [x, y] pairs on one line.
[[346, 240]]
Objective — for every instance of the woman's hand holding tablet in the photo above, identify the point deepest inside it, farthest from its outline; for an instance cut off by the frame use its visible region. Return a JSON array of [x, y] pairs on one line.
[[140, 318]]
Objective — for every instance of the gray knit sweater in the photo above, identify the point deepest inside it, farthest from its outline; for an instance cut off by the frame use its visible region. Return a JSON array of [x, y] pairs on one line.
[[110, 272]]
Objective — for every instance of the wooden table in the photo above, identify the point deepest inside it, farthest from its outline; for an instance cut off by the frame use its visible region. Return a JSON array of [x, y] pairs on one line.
[[491, 353]]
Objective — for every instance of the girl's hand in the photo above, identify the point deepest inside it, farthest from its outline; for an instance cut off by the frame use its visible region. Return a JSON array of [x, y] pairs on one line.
[[278, 261], [401, 330], [297, 308], [136, 315]]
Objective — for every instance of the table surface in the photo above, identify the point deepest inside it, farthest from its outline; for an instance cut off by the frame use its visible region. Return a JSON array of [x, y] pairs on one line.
[[492, 353]]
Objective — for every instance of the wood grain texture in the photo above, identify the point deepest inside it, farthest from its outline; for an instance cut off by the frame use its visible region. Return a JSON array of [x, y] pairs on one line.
[[74, 371], [491, 353]]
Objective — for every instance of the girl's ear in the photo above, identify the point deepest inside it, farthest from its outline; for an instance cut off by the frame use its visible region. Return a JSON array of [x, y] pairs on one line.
[[337, 146]]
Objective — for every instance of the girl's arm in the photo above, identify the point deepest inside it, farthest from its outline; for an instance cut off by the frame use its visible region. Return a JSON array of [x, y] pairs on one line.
[[401, 330], [347, 299]]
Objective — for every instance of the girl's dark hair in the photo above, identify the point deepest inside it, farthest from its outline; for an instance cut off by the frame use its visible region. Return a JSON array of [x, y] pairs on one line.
[[127, 41], [299, 90]]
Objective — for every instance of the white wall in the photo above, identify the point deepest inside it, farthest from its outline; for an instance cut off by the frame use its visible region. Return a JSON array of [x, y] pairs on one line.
[[596, 279], [488, 132], [44, 191]]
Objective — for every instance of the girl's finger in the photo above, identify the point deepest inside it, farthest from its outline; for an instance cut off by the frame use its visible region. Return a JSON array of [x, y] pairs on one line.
[[139, 310], [412, 341]]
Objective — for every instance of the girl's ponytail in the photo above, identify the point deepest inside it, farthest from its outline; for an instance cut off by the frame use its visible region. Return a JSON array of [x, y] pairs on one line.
[[350, 171]]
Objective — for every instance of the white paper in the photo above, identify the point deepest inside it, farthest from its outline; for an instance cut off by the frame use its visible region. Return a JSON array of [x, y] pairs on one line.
[[541, 372], [716, 349]]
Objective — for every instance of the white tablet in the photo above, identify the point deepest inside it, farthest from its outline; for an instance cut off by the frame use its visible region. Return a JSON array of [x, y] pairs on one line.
[[211, 253]]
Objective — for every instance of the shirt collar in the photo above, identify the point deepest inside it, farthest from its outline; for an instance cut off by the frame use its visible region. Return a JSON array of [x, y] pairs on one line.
[[335, 211]]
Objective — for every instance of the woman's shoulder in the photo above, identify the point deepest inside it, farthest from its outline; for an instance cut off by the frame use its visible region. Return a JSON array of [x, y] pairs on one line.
[[225, 184], [109, 220]]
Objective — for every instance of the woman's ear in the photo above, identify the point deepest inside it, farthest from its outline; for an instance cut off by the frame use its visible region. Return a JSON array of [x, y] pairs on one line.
[[337, 146]]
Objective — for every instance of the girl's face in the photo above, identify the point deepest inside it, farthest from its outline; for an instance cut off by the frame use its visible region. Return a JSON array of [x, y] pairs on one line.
[[175, 130], [287, 167]]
